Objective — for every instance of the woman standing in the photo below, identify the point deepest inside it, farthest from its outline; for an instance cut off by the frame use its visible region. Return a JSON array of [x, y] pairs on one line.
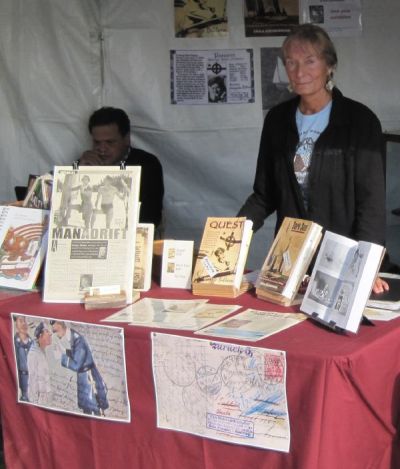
[[320, 154]]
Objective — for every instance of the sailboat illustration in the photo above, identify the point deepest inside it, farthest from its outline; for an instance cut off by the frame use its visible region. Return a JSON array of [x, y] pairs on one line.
[[280, 78]]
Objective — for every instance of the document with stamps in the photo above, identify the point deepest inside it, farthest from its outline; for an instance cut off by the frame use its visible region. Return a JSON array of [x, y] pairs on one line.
[[253, 324], [71, 367], [227, 392], [92, 231]]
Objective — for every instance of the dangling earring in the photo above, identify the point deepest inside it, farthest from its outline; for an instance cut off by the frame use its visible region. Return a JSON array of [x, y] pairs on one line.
[[289, 88], [330, 83]]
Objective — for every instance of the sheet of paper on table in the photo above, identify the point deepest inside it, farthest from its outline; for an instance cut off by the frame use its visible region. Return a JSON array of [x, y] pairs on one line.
[[253, 324], [188, 315]]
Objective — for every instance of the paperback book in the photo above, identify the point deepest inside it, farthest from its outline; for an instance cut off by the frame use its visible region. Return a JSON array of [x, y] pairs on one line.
[[288, 260], [23, 243], [222, 257]]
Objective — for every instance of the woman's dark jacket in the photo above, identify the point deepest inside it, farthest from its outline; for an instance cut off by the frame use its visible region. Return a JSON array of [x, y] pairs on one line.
[[346, 173]]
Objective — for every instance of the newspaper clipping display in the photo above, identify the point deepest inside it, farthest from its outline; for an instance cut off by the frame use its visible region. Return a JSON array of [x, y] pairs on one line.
[[71, 367], [92, 231], [227, 392], [199, 18], [212, 76]]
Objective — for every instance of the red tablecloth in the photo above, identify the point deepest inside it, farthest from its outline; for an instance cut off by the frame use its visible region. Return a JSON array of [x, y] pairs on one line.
[[343, 398]]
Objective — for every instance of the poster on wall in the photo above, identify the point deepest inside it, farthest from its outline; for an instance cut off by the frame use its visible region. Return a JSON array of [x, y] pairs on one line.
[[339, 18], [200, 18], [72, 367], [212, 76], [270, 17], [274, 80]]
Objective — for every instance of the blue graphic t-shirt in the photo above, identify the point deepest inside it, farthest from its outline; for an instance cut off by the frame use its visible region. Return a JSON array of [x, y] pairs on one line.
[[309, 127]]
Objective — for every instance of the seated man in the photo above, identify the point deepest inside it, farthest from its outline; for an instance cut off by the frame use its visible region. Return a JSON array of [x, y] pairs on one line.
[[110, 131]]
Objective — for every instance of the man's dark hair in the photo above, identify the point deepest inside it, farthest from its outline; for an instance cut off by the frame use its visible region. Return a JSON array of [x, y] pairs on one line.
[[110, 115]]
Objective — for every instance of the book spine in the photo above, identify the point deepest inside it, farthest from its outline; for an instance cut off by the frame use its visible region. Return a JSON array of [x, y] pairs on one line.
[[244, 250]]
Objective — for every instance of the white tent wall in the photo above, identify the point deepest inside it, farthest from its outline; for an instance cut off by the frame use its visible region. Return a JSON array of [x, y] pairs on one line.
[[49, 81], [60, 60]]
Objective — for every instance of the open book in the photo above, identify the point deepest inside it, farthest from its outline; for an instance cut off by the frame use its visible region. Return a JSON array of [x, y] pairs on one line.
[[341, 281], [288, 260], [23, 244], [222, 257]]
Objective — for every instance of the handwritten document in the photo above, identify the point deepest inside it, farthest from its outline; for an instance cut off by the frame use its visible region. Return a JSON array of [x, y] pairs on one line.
[[227, 392]]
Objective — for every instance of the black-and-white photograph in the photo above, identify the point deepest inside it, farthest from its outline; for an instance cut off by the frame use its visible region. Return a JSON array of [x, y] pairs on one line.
[[317, 14], [270, 17]]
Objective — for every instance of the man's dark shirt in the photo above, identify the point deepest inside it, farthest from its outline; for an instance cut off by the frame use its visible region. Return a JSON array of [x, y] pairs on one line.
[[151, 185]]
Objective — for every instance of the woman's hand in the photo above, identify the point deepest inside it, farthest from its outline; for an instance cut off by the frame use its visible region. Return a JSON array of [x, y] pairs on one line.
[[380, 286]]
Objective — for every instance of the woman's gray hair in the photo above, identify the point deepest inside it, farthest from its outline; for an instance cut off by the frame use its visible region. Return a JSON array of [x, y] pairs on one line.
[[317, 37]]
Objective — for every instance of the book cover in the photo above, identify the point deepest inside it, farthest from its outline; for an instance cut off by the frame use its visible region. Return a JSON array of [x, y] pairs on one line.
[[23, 242], [222, 255], [288, 260], [39, 192]]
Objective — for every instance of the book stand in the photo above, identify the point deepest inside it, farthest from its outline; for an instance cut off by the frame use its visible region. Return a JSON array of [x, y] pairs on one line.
[[331, 325]]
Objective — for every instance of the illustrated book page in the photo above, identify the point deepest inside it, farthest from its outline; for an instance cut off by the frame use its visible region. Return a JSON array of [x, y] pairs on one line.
[[289, 257], [71, 367], [223, 252], [143, 256], [253, 324], [23, 244], [227, 392], [341, 281], [92, 231]]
